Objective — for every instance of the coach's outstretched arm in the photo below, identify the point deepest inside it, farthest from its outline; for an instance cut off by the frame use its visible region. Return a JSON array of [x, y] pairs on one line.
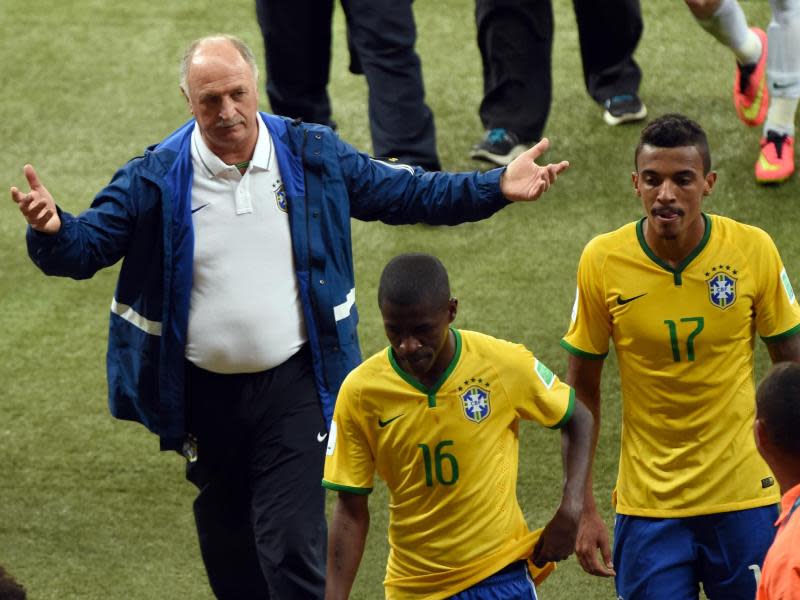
[[584, 375], [37, 206], [557, 541], [524, 180], [346, 537]]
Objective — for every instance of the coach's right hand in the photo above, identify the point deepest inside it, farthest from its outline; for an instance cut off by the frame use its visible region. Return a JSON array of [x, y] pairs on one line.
[[593, 536], [37, 206]]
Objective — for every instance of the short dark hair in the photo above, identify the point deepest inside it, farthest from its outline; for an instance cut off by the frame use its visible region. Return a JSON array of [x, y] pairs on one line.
[[9, 588], [672, 131], [778, 406], [414, 278]]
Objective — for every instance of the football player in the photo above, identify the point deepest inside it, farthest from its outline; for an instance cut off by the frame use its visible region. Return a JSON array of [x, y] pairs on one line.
[[437, 415], [683, 295]]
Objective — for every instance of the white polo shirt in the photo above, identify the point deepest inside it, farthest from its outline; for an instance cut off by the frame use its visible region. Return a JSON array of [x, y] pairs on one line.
[[245, 313]]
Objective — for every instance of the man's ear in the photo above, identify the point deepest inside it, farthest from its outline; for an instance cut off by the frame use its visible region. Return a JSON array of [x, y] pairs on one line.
[[186, 97], [453, 308], [635, 182], [711, 179]]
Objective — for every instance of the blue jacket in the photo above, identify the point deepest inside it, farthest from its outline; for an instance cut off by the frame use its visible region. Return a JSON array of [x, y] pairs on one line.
[[144, 218]]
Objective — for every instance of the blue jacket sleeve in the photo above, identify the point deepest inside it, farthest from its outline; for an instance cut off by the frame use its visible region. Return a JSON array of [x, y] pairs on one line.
[[398, 194], [96, 238]]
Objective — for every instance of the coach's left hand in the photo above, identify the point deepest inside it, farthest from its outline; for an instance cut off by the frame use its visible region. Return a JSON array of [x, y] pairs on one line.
[[557, 541], [524, 180]]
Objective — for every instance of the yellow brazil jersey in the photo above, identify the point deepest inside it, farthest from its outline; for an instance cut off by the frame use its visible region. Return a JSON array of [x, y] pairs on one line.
[[449, 457], [684, 340]]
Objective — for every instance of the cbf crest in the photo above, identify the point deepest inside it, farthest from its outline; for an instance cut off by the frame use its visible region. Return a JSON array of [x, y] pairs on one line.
[[280, 195], [475, 400], [721, 286]]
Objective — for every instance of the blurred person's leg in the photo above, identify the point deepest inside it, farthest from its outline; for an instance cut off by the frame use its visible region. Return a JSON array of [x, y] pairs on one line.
[[297, 47], [609, 32], [382, 34], [515, 38], [776, 160], [726, 22]]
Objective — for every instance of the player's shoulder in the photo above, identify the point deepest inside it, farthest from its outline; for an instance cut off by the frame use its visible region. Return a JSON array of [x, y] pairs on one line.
[[736, 228], [478, 345], [744, 236], [369, 371], [620, 239]]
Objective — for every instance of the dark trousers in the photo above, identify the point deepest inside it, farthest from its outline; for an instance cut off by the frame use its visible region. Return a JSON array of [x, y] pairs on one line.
[[381, 36], [515, 38], [260, 512]]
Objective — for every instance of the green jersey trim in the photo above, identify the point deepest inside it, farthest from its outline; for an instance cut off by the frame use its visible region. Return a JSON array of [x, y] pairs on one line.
[[570, 409], [415, 383], [580, 353], [346, 488], [677, 271], [782, 336]]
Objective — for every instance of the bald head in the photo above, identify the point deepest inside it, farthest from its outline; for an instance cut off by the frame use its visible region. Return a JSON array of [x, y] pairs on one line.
[[216, 47]]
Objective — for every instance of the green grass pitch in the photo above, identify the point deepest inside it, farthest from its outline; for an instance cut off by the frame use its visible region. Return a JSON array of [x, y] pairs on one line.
[[89, 508]]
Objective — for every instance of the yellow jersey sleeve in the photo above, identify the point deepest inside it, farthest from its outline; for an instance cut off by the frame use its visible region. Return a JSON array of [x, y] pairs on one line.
[[349, 459], [777, 312], [590, 323], [536, 393]]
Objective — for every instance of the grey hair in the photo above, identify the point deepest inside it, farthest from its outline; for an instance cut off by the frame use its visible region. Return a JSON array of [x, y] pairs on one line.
[[244, 51]]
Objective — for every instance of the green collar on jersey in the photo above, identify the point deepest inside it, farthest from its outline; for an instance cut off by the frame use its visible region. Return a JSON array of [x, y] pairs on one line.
[[414, 382], [677, 271]]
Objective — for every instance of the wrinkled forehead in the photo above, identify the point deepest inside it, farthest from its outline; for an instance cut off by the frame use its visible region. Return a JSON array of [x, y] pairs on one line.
[[218, 61]]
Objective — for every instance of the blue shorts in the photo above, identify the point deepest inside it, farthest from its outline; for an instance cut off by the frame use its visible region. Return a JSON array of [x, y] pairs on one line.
[[511, 583], [668, 559]]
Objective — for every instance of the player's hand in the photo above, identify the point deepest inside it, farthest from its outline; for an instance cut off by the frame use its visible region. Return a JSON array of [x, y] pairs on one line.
[[557, 541], [524, 180], [593, 536], [37, 206]]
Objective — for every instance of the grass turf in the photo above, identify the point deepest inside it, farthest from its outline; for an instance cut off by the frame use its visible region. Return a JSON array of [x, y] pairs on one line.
[[88, 506]]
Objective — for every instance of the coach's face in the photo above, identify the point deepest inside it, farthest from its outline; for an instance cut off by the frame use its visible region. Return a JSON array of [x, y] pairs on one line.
[[223, 96], [420, 335], [672, 184]]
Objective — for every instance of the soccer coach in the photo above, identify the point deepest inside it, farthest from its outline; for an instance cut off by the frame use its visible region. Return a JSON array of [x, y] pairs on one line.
[[234, 319]]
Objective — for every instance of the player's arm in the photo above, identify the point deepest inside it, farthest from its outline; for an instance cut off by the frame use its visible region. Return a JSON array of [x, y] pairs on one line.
[[785, 350], [346, 537], [584, 375], [557, 541]]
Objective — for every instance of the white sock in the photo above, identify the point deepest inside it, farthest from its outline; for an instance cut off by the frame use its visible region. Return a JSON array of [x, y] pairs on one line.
[[729, 27], [780, 117], [783, 62]]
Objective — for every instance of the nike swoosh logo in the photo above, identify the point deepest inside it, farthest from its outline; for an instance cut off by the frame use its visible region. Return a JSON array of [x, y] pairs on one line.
[[321, 437], [194, 210], [766, 165], [782, 86], [621, 300], [387, 421], [751, 112]]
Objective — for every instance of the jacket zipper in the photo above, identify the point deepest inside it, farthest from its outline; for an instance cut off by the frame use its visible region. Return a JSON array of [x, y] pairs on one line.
[[314, 308]]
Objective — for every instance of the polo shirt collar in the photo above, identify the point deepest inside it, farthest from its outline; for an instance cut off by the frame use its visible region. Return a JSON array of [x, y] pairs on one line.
[[213, 165]]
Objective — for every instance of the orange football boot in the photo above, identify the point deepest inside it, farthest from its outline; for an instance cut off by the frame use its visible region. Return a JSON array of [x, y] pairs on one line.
[[776, 161], [750, 90]]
